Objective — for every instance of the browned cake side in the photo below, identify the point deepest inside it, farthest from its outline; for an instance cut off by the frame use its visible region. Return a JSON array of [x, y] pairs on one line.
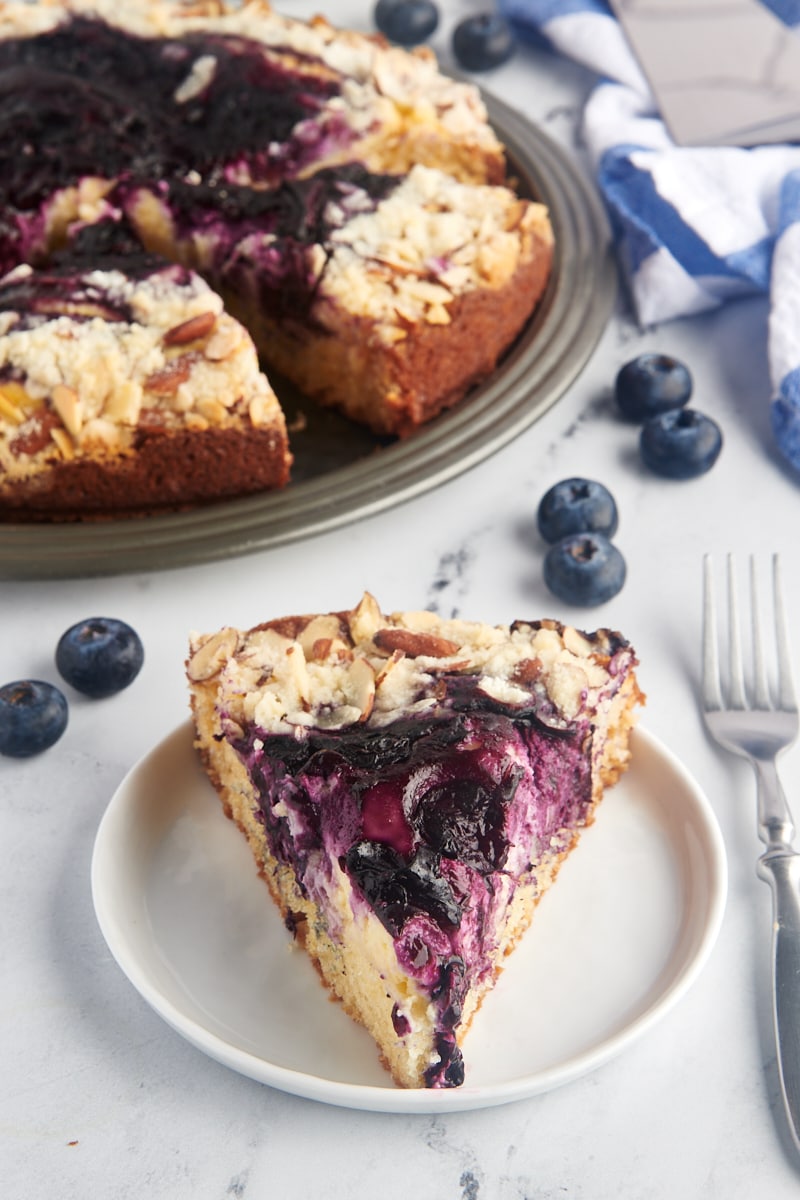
[[414, 303], [161, 406]]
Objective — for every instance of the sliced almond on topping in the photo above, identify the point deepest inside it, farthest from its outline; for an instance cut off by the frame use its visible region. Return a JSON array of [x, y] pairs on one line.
[[515, 214], [391, 662], [167, 381], [225, 340], [297, 672], [212, 409], [74, 308], [337, 718], [191, 330], [91, 191], [437, 314], [365, 619], [261, 410], [324, 627], [576, 642], [124, 402], [566, 687], [14, 392], [212, 654], [327, 649], [194, 421], [497, 258], [10, 411], [360, 686], [320, 649], [63, 442], [393, 334], [69, 408], [427, 292], [527, 670], [416, 645], [461, 664]]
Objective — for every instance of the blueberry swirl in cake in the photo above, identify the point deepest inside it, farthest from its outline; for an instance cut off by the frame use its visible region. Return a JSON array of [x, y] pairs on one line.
[[409, 787]]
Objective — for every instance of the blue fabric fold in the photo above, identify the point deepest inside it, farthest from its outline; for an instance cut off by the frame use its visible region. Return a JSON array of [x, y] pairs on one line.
[[694, 227]]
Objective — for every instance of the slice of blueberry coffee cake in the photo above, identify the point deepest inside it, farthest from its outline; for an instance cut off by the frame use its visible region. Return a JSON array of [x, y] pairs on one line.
[[409, 787], [125, 387], [384, 296]]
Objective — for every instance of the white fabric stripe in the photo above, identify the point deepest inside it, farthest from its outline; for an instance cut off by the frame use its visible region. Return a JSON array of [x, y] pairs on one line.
[[598, 42], [730, 200], [663, 290], [784, 317]]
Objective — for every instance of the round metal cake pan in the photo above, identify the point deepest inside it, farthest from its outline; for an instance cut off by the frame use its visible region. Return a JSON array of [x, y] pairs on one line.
[[343, 474]]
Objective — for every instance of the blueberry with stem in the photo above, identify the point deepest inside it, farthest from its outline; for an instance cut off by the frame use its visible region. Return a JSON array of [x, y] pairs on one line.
[[576, 505], [406, 22], [99, 656], [680, 444], [584, 569], [33, 716], [483, 42]]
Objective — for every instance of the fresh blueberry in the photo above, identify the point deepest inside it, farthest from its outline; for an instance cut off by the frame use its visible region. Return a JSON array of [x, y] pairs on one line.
[[407, 22], [680, 444], [99, 656], [652, 384], [576, 506], [483, 42], [584, 569], [33, 715]]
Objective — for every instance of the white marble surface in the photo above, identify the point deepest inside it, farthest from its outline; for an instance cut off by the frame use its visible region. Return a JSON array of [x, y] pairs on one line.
[[100, 1098]]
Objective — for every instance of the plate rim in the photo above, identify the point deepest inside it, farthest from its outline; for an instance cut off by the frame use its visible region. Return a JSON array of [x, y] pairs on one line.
[[368, 1097], [536, 373]]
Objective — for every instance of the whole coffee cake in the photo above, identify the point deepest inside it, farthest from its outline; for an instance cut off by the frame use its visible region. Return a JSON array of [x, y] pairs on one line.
[[346, 199]]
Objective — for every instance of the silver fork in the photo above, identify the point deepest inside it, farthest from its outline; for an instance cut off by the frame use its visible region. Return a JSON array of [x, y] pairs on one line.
[[754, 725]]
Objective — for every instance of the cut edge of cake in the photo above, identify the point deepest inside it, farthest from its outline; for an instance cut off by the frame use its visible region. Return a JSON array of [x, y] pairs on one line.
[[413, 984], [126, 395], [413, 300]]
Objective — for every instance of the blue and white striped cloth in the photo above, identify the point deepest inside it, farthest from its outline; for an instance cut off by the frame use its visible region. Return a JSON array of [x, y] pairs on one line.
[[694, 227]]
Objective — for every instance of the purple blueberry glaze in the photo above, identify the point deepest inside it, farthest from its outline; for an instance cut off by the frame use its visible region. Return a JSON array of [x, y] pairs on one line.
[[68, 283], [88, 99], [93, 99], [261, 237]]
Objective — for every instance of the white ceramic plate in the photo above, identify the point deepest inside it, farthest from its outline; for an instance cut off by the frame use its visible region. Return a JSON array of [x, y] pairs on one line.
[[613, 946]]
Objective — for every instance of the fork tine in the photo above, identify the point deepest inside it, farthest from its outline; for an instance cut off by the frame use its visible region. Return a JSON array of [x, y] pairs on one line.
[[736, 681], [712, 696], [786, 694], [760, 684]]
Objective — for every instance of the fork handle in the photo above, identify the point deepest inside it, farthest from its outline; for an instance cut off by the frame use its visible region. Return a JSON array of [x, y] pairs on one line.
[[780, 867]]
